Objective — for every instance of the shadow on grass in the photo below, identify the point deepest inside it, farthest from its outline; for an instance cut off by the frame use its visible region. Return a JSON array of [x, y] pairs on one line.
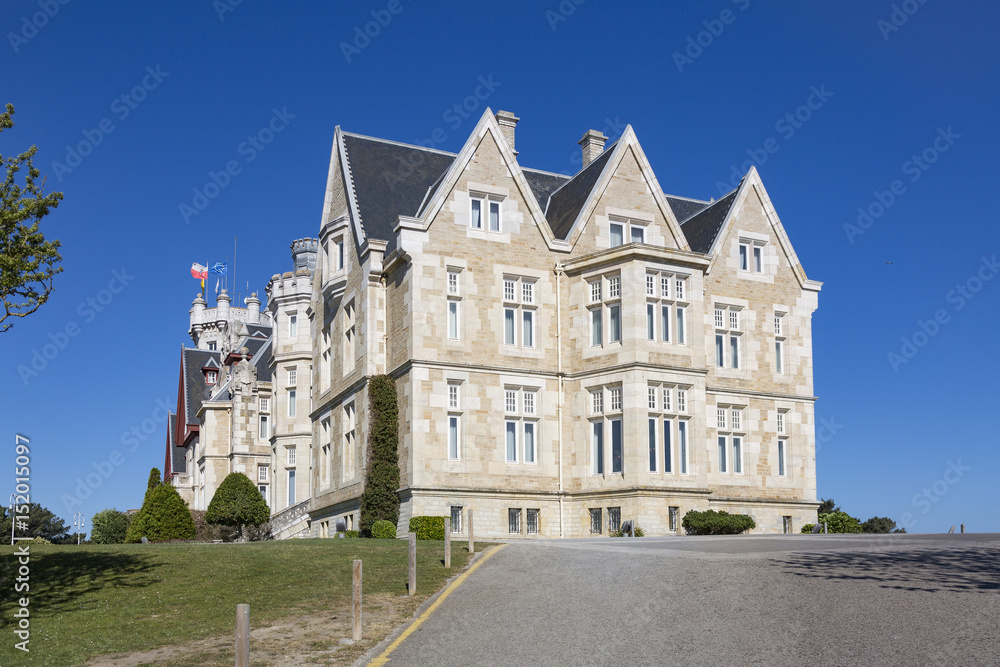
[[58, 580], [949, 570]]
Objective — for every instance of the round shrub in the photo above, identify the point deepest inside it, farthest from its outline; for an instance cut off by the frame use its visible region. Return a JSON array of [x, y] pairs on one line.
[[384, 529], [237, 503], [164, 516], [712, 522], [109, 527], [840, 522], [427, 527]]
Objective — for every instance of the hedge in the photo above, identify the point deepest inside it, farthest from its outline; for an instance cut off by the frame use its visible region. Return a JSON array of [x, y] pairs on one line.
[[384, 529], [428, 527], [712, 522], [379, 500]]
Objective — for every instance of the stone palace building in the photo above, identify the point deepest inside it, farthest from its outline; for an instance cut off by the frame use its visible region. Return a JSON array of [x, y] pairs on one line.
[[569, 352]]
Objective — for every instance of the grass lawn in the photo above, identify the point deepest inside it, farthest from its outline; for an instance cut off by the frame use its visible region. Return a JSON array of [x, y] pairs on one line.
[[91, 600]]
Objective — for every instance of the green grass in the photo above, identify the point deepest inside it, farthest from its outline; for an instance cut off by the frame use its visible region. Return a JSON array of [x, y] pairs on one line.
[[94, 599]]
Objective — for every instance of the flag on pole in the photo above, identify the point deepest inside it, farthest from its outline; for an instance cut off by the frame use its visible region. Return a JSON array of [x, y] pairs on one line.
[[219, 268], [199, 272]]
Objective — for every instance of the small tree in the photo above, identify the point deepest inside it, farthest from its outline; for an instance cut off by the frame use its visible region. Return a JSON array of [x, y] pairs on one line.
[[28, 263], [237, 502], [164, 516], [379, 500], [840, 522], [827, 506], [878, 524], [109, 527]]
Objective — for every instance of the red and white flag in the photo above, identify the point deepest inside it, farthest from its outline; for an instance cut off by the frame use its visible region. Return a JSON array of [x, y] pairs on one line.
[[199, 272]]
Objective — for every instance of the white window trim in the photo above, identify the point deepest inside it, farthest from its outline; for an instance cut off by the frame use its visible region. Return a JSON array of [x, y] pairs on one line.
[[486, 200]]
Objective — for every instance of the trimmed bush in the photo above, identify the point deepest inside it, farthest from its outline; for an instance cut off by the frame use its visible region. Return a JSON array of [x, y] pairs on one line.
[[840, 522], [428, 527], [384, 529], [712, 522], [109, 527], [164, 516], [238, 503], [379, 500], [808, 528], [352, 533]]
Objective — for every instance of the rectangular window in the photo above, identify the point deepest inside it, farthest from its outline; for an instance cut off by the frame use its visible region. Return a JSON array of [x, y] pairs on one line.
[[453, 436], [779, 353], [532, 521], [682, 445], [476, 219], [758, 260], [782, 454], [528, 328], [509, 289], [510, 430], [720, 350], [781, 422], [637, 234], [722, 453], [456, 518], [667, 392], [265, 432], [494, 216], [529, 442], [665, 323], [734, 319], [616, 445], [651, 398], [508, 326], [453, 403], [614, 519], [679, 289], [736, 417], [453, 319], [291, 487], [734, 351], [595, 291], [527, 291], [737, 455], [778, 328], [597, 401], [744, 257], [291, 402], [720, 318], [681, 400], [668, 453], [615, 328], [263, 491], [650, 284], [265, 405], [720, 418], [340, 255], [293, 377], [514, 521], [291, 455], [596, 327], [293, 326], [596, 522], [528, 400], [510, 401], [665, 286], [650, 321], [673, 513], [598, 447], [261, 473], [617, 234], [452, 282], [210, 377], [680, 325], [616, 399], [614, 287], [652, 445]]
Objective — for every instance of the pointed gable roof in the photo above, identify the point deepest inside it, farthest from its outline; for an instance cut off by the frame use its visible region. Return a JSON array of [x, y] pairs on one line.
[[195, 389], [564, 205], [703, 228]]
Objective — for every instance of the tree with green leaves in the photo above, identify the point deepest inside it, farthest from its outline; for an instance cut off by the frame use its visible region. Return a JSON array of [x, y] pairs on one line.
[[109, 527], [826, 506], [379, 500], [154, 479], [238, 503], [164, 516], [28, 263], [40, 523]]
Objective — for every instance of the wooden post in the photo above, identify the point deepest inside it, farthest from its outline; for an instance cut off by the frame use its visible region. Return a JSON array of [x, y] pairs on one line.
[[356, 633], [447, 541], [963, 527], [472, 541], [413, 565], [242, 635]]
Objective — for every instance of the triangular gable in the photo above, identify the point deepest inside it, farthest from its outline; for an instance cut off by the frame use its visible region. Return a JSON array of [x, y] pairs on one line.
[[628, 142], [752, 184], [488, 125]]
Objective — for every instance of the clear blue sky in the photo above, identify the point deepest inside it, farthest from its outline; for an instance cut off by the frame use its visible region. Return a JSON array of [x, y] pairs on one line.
[[888, 95]]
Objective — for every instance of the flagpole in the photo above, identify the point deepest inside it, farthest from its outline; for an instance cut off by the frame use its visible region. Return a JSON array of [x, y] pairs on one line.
[[235, 284]]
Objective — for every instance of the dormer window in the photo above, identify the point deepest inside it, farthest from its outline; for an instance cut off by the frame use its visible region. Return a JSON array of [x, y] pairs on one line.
[[210, 377], [211, 346]]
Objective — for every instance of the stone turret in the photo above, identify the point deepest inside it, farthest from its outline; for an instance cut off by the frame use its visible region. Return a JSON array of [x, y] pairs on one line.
[[253, 309], [304, 253], [197, 314], [222, 306]]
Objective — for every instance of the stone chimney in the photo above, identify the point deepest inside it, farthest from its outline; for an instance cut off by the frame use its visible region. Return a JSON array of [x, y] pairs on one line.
[[253, 309], [507, 120], [222, 306], [593, 145]]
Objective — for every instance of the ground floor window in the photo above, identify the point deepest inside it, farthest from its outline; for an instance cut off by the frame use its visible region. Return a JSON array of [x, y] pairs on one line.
[[291, 487], [786, 525], [456, 519], [532, 522], [614, 519], [263, 490], [514, 521], [595, 521], [673, 513]]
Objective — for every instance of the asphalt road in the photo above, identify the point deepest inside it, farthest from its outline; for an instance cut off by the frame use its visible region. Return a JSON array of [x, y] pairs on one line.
[[744, 600]]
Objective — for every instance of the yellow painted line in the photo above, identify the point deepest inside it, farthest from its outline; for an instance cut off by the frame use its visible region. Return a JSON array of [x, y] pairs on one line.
[[384, 657]]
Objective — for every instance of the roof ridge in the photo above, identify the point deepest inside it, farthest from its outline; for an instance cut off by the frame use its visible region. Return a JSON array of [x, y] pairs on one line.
[[398, 143], [713, 204], [699, 201], [548, 173]]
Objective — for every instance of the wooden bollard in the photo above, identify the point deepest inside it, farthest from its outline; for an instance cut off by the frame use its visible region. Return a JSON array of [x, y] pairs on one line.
[[356, 597], [412, 588], [242, 635], [447, 541], [963, 527], [472, 541]]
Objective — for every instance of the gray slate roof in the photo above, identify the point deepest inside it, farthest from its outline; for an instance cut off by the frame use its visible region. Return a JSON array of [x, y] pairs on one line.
[[565, 204], [195, 389], [178, 462], [684, 208], [701, 229]]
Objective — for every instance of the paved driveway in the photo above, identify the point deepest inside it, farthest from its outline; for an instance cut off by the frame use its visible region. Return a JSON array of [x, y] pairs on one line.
[[745, 600]]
